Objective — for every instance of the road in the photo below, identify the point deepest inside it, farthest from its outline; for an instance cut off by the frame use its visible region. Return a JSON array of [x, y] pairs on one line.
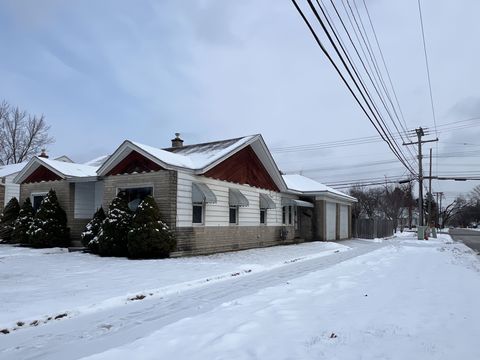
[[99, 331], [471, 238]]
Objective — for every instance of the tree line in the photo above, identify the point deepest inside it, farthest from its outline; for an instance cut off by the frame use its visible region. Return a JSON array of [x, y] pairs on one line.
[[395, 202]]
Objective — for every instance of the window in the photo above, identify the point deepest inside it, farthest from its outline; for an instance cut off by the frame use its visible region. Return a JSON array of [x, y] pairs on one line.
[[37, 201], [197, 217], [289, 215], [263, 216], [233, 215], [135, 196]]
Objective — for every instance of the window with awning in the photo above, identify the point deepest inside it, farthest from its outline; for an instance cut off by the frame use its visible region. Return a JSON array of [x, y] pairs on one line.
[[201, 194], [266, 202], [236, 198]]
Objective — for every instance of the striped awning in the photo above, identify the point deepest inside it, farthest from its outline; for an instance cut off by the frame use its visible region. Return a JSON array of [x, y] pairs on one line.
[[236, 198], [295, 202], [201, 194], [266, 202]]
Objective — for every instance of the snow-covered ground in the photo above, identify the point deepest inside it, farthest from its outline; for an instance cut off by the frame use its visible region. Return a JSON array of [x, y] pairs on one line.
[[37, 284], [391, 299]]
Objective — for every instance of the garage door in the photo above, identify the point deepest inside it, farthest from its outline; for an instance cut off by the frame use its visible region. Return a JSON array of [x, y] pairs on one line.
[[343, 222], [331, 221]]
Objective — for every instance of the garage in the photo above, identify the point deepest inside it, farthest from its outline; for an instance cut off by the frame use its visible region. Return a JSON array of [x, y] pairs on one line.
[[331, 221], [343, 222]]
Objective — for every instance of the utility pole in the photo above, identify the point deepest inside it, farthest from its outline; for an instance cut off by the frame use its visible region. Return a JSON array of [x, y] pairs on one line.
[[430, 192], [420, 133], [439, 194]]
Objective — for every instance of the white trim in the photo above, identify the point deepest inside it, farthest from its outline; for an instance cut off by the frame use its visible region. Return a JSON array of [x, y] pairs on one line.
[[203, 214]]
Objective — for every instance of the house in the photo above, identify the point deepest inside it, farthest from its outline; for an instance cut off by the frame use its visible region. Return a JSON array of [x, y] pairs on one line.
[[217, 196], [78, 189], [8, 188]]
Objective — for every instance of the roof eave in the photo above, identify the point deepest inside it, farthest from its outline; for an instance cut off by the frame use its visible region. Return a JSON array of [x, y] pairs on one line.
[[323, 193], [22, 175]]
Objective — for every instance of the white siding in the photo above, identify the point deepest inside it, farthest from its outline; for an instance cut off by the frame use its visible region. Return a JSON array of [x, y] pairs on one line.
[[217, 214], [343, 222], [11, 189], [84, 207], [331, 220], [99, 188]]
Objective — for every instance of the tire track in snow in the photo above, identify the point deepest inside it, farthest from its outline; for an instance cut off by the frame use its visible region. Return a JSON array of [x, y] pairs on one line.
[[96, 332]]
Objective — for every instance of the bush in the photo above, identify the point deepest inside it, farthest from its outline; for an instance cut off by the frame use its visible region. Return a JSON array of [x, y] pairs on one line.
[[112, 239], [149, 237], [7, 220], [49, 226], [23, 222], [90, 236]]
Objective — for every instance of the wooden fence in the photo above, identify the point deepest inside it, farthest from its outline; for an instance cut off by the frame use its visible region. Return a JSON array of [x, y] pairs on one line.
[[372, 228]]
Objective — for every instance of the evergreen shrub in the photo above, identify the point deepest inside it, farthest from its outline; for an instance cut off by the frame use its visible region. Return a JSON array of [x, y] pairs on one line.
[[23, 222], [112, 238], [90, 236], [7, 220], [149, 236], [49, 226]]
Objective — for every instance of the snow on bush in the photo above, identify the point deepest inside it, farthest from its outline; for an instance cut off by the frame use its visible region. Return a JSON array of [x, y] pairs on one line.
[[23, 222], [112, 238], [90, 235], [149, 237], [10, 214], [49, 226]]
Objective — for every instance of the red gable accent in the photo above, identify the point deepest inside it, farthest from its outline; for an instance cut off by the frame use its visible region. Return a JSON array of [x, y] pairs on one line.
[[41, 174], [244, 167], [134, 162]]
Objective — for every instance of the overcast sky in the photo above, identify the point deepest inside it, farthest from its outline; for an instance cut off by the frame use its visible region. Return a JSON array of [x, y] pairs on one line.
[[105, 71]]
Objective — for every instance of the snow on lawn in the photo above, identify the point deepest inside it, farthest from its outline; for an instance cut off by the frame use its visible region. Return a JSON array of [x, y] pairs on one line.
[[40, 284], [409, 300]]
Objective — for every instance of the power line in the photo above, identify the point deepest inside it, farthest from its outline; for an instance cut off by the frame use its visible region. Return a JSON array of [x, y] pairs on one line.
[[446, 127], [427, 66], [377, 121]]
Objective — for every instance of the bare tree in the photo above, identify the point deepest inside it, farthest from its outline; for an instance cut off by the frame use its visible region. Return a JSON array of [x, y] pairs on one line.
[[474, 195], [453, 212], [392, 202], [22, 135]]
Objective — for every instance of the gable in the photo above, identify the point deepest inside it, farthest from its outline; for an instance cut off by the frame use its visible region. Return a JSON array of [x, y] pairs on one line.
[[243, 167], [41, 174], [134, 162]]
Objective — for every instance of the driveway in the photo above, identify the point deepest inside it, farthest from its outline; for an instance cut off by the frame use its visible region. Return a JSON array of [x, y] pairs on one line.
[[471, 238]]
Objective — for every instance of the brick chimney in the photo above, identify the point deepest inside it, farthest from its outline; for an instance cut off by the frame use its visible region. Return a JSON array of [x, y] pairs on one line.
[[177, 142], [43, 154]]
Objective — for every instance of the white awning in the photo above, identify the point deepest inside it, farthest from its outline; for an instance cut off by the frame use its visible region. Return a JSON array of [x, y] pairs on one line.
[[266, 202], [294, 202], [236, 198], [201, 193]]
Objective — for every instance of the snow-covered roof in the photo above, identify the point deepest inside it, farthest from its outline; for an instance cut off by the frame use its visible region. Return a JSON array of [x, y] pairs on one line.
[[11, 169], [202, 155], [166, 157], [198, 158], [191, 157], [98, 161], [304, 184], [65, 170], [70, 169]]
